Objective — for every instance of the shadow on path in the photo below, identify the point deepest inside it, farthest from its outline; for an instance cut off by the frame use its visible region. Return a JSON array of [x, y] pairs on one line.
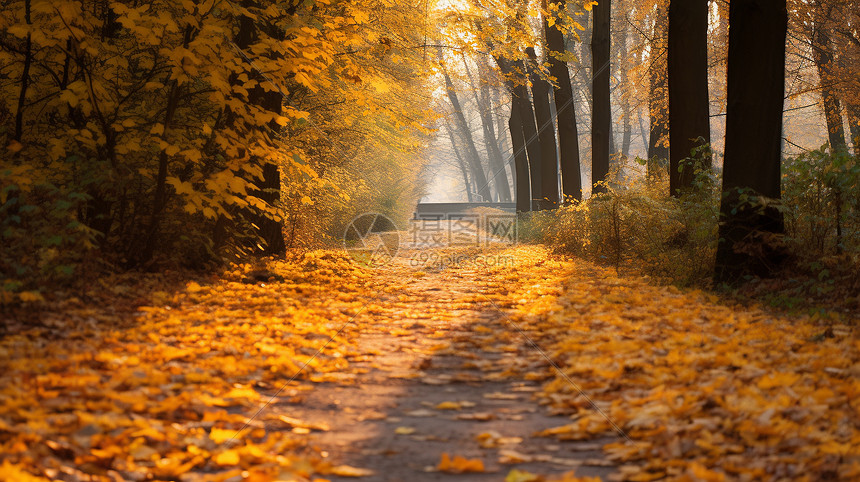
[[436, 342]]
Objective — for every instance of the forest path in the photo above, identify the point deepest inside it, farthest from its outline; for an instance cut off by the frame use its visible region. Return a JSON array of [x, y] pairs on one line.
[[435, 377], [312, 368]]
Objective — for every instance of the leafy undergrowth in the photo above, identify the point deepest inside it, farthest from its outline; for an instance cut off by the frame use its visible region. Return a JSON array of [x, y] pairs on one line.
[[171, 393], [704, 390]]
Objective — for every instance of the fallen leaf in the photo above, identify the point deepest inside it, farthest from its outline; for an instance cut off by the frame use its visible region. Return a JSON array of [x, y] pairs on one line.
[[459, 464], [350, 471]]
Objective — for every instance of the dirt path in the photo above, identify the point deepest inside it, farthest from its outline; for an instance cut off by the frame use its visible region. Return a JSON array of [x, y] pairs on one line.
[[434, 377]]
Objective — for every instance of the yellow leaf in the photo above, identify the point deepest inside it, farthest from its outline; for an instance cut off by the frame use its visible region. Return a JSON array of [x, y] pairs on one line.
[[350, 471], [459, 464], [404, 430], [220, 435], [307, 200], [520, 476], [228, 457], [14, 146], [8, 471], [700, 472], [448, 406], [30, 296]]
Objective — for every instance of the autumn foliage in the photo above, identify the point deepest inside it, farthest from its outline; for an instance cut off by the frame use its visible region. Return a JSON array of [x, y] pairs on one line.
[[138, 132]]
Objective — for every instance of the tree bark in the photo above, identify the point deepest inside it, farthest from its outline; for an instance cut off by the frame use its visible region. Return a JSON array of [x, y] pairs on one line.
[[521, 162], [568, 135], [472, 156], [689, 113], [853, 112], [756, 80], [546, 136], [269, 186], [601, 116], [515, 80], [822, 49], [626, 111], [460, 163], [658, 101], [498, 175], [25, 77]]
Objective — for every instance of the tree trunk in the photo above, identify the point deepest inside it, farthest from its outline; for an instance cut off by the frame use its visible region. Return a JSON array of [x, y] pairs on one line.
[[658, 101], [472, 156], [498, 175], [822, 49], [689, 114], [626, 111], [568, 135], [269, 186], [756, 79], [460, 163], [25, 77], [853, 112], [546, 136], [516, 83], [521, 162], [601, 116]]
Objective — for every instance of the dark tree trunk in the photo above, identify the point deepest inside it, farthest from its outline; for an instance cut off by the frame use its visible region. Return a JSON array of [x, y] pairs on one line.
[[516, 79], [689, 115], [601, 117], [568, 135], [756, 79], [546, 136], [521, 162], [527, 119], [658, 101], [159, 202], [472, 156], [822, 48], [25, 77], [853, 112], [269, 186]]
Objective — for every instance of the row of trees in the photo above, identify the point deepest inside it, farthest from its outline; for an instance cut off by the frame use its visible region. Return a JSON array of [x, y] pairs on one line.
[[189, 130], [683, 54]]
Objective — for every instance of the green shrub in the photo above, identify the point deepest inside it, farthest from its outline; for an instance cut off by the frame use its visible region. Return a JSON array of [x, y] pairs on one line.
[[821, 192], [43, 243]]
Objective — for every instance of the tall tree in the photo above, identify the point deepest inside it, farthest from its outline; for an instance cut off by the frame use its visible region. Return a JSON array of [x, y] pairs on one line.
[[481, 90], [460, 162], [623, 69], [568, 135], [472, 156], [266, 97], [823, 55], [688, 89], [524, 142], [522, 182], [601, 117], [756, 80], [658, 99], [546, 135]]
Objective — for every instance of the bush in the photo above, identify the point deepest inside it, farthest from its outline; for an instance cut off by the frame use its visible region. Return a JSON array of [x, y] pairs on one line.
[[43, 243], [821, 192], [634, 223]]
